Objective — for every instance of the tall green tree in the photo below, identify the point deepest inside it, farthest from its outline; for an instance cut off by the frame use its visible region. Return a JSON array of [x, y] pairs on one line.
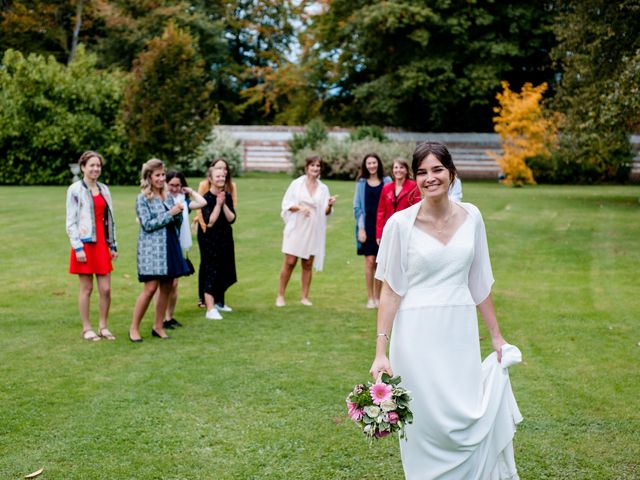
[[168, 109], [599, 93], [426, 65]]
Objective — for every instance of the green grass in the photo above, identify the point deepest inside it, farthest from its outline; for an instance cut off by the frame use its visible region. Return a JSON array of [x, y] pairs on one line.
[[260, 395]]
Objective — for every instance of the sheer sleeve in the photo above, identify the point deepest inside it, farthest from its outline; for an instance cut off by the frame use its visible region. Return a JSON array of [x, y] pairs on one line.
[[390, 258], [480, 274]]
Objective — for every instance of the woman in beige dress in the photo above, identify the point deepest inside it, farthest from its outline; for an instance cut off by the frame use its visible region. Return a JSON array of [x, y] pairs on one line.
[[305, 207]]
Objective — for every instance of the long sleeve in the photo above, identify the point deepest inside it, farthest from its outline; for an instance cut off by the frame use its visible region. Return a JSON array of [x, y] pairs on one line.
[[72, 219], [385, 210], [480, 274], [390, 257], [358, 204], [148, 221]]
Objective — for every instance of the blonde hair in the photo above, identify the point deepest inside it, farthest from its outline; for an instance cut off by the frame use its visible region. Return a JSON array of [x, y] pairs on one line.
[[148, 168]]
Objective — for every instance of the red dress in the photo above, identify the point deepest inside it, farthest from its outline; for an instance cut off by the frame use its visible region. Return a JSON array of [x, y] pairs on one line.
[[98, 254]]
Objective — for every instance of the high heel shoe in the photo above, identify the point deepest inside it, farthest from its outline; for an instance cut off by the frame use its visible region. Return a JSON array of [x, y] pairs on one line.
[[156, 334]]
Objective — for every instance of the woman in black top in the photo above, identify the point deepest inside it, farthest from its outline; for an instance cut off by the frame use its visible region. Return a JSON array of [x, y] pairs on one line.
[[217, 256]]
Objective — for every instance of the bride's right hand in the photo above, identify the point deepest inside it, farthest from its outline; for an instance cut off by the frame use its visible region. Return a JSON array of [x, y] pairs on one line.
[[379, 366]]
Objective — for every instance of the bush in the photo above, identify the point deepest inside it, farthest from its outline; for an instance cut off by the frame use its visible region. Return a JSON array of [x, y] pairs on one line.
[[218, 144], [315, 132], [373, 132], [50, 114], [342, 158]]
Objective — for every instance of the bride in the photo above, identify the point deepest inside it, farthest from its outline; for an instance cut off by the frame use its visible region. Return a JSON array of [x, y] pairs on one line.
[[434, 262]]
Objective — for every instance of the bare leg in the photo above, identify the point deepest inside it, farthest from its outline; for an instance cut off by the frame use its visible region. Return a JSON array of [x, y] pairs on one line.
[[369, 272], [104, 290], [84, 297], [209, 301], [377, 288], [173, 300], [285, 273], [164, 290], [140, 308], [307, 273]]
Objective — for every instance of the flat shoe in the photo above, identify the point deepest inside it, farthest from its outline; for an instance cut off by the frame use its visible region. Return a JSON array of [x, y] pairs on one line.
[[106, 334], [167, 324], [280, 302], [134, 341], [157, 335], [90, 336], [306, 302]]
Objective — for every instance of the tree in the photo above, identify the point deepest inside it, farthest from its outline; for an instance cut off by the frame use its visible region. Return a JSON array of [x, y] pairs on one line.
[[524, 132], [260, 78], [426, 65], [167, 108], [599, 52], [50, 113]]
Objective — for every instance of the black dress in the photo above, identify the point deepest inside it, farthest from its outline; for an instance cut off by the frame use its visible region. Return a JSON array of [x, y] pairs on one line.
[[217, 256], [371, 199]]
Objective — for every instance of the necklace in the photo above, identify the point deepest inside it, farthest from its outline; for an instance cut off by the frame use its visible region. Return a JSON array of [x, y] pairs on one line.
[[445, 221]]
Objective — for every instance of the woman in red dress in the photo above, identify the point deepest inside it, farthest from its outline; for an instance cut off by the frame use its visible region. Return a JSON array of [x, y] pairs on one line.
[[91, 231], [397, 195]]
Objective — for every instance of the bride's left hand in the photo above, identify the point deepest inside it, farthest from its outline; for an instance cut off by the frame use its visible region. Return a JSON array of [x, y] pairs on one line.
[[497, 343]]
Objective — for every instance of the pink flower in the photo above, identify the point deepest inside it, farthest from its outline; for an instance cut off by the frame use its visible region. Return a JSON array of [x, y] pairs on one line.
[[382, 433], [380, 392], [393, 418], [354, 412]]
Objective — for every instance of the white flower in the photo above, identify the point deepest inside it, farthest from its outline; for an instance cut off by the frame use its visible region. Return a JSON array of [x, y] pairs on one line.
[[372, 411], [388, 405], [369, 429]]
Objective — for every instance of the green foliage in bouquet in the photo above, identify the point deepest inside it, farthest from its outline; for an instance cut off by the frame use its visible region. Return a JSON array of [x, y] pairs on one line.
[[380, 408]]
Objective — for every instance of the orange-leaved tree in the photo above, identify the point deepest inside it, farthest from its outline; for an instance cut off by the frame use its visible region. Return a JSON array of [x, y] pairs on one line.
[[525, 132]]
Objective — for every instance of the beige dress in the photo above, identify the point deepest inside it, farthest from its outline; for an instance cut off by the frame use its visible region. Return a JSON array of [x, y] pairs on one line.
[[304, 236]]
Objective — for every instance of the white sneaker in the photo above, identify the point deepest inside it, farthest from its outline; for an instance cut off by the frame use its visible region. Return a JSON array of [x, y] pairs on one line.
[[306, 302], [224, 308], [371, 304], [213, 314]]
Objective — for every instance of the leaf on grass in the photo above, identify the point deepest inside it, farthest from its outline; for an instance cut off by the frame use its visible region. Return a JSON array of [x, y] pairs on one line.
[[35, 474]]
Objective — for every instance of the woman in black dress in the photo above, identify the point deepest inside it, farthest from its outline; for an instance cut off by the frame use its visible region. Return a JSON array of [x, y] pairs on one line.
[[217, 257], [365, 209]]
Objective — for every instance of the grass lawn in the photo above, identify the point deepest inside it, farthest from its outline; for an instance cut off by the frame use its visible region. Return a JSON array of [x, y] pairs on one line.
[[260, 395]]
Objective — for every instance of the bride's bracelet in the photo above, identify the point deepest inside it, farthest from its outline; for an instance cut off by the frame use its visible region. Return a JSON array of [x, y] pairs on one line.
[[384, 335]]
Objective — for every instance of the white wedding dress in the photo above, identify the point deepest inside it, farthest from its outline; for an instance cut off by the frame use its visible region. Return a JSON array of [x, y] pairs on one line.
[[464, 409]]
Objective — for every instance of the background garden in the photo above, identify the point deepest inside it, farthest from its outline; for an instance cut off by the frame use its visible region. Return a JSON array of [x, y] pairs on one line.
[[261, 394], [135, 79]]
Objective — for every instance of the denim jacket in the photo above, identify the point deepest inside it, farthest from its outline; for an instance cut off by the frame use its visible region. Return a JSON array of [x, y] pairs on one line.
[[81, 218]]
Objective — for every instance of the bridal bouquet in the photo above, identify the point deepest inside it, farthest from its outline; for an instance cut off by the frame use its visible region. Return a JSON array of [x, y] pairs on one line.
[[380, 408]]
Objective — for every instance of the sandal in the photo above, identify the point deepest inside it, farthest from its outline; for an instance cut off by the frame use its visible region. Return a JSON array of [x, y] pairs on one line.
[[90, 336], [106, 334]]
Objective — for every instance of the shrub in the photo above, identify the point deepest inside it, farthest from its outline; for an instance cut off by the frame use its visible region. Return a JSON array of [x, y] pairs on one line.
[[50, 114], [219, 144], [373, 132], [315, 132], [524, 132], [342, 158]]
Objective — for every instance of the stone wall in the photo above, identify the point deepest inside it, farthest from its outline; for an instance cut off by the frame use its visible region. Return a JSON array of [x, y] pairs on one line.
[[266, 148]]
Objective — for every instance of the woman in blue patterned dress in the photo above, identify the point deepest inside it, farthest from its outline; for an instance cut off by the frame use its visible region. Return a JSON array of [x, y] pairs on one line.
[[160, 258]]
